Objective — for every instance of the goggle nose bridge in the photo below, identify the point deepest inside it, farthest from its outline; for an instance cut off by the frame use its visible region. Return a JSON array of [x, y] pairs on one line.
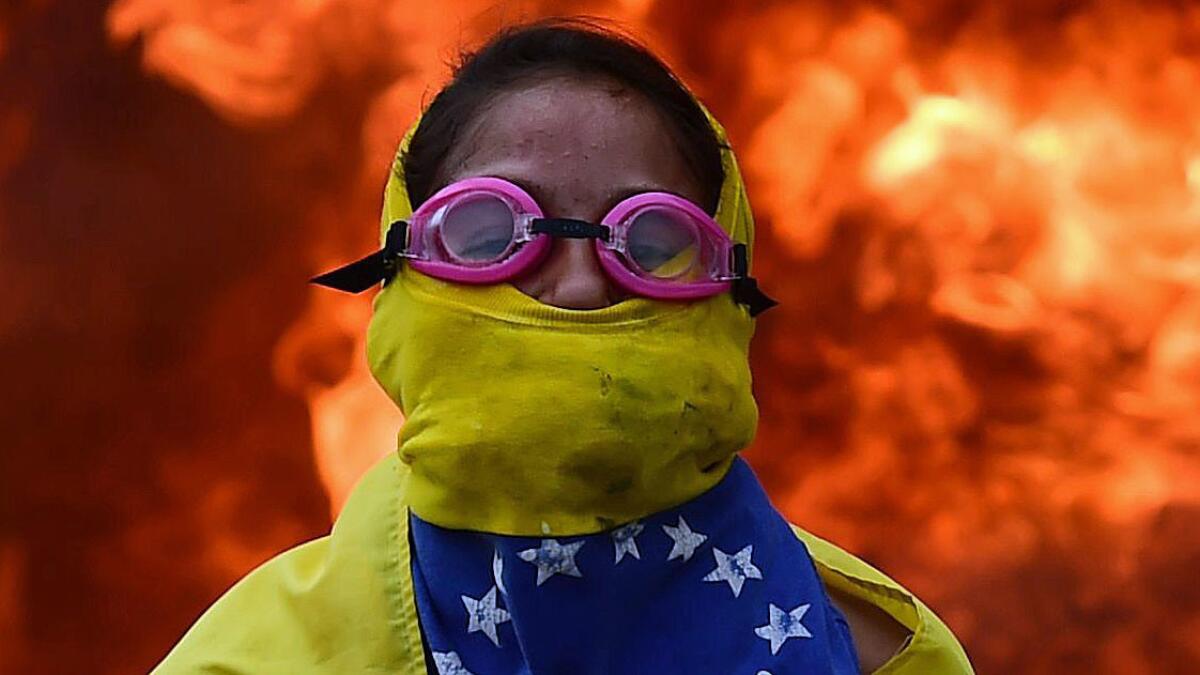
[[570, 228]]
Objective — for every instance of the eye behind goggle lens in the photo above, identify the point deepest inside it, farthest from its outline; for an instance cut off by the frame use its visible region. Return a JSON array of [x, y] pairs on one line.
[[477, 230], [664, 245]]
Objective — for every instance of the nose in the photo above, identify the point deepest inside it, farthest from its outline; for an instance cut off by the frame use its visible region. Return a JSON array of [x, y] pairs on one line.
[[570, 277]]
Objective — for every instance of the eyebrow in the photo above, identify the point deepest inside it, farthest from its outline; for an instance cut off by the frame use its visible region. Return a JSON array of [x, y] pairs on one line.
[[614, 197]]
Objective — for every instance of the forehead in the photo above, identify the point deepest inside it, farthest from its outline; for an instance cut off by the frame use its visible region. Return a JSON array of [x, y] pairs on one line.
[[577, 139]]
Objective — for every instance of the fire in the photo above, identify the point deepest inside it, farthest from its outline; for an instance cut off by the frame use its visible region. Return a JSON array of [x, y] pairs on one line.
[[353, 422], [1027, 235], [985, 229]]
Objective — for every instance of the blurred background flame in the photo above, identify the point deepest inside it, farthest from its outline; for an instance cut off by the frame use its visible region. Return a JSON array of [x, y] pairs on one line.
[[983, 220]]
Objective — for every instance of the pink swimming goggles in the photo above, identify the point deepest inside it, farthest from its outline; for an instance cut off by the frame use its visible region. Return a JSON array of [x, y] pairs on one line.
[[487, 231]]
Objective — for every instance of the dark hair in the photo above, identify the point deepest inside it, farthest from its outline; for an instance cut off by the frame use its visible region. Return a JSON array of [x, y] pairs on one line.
[[523, 54]]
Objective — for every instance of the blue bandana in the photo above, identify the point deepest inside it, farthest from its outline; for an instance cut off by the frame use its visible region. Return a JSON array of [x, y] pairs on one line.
[[719, 584]]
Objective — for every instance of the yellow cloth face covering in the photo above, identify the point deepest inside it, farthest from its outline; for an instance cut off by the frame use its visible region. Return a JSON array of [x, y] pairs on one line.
[[528, 419]]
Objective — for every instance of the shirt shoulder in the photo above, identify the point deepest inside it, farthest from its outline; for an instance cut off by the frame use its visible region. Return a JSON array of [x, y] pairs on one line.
[[932, 649], [336, 604]]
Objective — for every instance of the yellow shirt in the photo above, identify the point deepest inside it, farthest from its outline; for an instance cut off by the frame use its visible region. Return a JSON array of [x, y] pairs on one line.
[[344, 603]]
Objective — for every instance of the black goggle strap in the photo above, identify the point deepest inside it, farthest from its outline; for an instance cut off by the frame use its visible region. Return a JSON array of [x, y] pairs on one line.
[[745, 287], [364, 273]]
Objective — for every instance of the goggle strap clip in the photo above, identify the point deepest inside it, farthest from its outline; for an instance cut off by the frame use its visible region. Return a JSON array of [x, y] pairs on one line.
[[364, 273], [569, 228], [745, 287]]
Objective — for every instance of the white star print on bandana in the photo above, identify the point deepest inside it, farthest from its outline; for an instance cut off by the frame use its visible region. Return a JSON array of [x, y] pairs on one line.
[[783, 625], [448, 663], [624, 539], [735, 569], [484, 615], [686, 541], [553, 558]]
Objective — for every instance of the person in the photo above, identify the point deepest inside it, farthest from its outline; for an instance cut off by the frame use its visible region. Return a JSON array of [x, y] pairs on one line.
[[564, 321]]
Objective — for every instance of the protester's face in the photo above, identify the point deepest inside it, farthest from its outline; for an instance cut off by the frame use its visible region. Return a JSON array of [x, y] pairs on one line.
[[578, 148]]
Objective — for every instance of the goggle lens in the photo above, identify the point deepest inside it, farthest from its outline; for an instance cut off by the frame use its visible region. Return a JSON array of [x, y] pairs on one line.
[[665, 245], [477, 230]]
